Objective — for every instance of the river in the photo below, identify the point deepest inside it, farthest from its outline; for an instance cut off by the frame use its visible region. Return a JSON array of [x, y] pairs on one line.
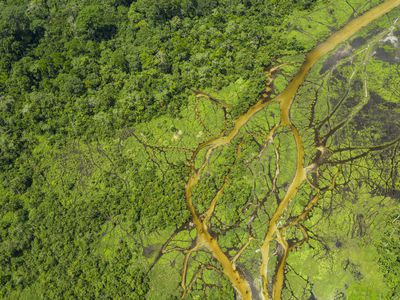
[[204, 238]]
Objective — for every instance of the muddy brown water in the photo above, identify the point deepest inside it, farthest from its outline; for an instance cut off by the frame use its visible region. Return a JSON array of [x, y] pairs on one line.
[[205, 239]]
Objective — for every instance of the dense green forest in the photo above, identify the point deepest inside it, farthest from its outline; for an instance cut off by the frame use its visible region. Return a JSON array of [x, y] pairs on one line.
[[102, 106]]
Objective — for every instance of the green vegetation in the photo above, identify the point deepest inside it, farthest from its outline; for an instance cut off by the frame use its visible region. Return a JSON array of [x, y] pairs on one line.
[[103, 104]]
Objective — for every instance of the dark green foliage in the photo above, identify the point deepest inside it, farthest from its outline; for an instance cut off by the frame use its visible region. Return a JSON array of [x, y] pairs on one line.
[[17, 33], [96, 22]]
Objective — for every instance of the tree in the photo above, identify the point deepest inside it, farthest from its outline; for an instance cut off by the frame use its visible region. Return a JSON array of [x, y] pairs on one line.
[[96, 22]]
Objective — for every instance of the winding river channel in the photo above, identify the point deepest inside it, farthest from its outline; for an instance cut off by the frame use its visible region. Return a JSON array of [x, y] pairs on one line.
[[204, 238]]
